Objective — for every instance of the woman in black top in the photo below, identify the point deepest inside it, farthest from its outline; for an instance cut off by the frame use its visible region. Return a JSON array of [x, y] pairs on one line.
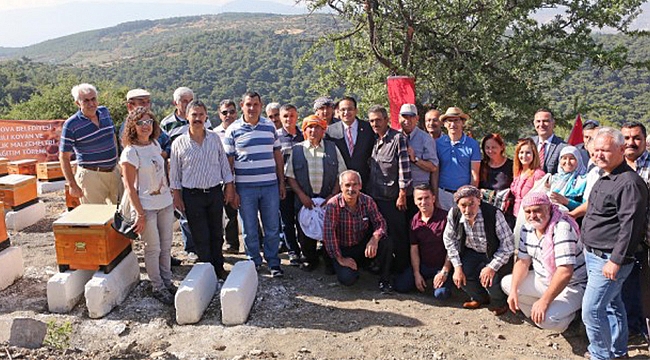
[[496, 173]]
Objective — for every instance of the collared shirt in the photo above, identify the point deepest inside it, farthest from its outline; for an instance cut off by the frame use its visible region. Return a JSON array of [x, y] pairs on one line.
[[428, 237], [643, 166], [403, 163], [345, 227], [568, 251], [93, 146], [197, 166], [221, 131], [425, 149], [314, 156], [476, 239], [287, 141], [355, 131], [456, 161], [252, 148], [544, 143], [615, 219]]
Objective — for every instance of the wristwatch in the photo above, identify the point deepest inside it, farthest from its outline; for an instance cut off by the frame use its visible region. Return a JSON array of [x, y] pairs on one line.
[[415, 161]]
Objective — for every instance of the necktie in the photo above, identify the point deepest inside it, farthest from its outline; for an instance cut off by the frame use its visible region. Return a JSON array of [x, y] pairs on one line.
[[542, 155], [350, 140]]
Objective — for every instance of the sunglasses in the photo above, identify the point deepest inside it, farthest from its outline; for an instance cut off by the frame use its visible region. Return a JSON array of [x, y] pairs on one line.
[[144, 122], [228, 112]]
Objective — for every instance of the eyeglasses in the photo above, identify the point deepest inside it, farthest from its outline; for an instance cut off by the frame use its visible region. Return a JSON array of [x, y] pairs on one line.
[[228, 112], [144, 122]]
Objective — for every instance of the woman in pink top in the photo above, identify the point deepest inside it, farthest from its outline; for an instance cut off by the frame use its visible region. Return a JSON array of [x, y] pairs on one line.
[[526, 170]]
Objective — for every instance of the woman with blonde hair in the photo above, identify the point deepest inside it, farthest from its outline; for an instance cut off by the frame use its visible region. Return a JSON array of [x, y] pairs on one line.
[[526, 170]]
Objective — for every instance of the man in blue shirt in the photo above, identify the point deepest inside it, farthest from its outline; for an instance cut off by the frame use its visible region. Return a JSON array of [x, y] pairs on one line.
[[90, 134], [459, 157]]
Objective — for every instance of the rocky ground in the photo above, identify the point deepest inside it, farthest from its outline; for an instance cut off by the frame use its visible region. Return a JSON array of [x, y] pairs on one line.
[[301, 316]]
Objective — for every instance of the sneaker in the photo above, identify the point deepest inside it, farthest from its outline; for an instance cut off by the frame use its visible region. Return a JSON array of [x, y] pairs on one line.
[[294, 260], [164, 296], [276, 272], [171, 288], [385, 287]]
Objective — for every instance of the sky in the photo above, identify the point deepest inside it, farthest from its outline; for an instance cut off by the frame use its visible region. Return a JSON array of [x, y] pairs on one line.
[[27, 22]]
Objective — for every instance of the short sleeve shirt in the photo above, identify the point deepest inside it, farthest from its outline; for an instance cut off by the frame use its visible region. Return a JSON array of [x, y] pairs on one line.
[[93, 146], [151, 181], [456, 161], [425, 149]]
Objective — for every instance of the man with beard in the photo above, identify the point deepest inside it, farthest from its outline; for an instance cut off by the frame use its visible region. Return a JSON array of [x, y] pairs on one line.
[[355, 233], [636, 288]]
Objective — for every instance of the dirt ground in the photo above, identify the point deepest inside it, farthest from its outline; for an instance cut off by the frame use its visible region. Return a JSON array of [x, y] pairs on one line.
[[301, 316]]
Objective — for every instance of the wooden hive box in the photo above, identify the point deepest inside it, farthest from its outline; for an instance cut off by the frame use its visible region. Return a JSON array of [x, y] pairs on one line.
[[4, 163], [49, 171], [23, 167], [71, 202], [17, 190], [4, 237], [84, 239]]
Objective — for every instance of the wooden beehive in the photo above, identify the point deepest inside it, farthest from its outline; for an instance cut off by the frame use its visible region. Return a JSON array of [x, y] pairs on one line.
[[4, 237], [49, 171], [71, 202], [16, 190], [84, 239], [4, 163], [22, 167]]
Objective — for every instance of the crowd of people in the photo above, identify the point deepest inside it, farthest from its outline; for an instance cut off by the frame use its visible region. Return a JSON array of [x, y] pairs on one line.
[[557, 232]]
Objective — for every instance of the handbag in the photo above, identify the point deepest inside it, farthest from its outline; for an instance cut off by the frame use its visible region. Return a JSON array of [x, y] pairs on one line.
[[123, 222]]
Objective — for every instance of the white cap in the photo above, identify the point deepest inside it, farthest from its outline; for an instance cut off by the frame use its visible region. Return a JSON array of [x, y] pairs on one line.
[[408, 109], [136, 93]]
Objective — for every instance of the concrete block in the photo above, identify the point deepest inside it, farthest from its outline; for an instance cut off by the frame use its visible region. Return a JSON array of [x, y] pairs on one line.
[[104, 291], [64, 290], [195, 293], [238, 293], [18, 220], [11, 266], [27, 333], [50, 186]]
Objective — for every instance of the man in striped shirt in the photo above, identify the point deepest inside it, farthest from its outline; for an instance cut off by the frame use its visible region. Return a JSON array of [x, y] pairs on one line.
[[90, 134], [253, 150], [551, 293]]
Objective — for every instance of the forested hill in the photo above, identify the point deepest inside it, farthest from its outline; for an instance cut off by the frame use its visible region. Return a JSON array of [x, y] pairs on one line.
[[221, 56]]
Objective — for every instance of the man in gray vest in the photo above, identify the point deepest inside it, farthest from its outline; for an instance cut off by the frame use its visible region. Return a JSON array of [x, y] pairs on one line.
[[312, 172], [390, 176]]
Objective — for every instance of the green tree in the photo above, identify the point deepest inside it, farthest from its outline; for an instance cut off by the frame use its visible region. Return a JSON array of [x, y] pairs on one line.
[[491, 58]]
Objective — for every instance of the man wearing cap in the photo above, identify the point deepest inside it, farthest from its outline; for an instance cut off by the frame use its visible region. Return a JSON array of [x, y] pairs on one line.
[[90, 134], [228, 115], [459, 155], [549, 146], [312, 172], [289, 135], [479, 245], [324, 108], [636, 289], [421, 152], [432, 123], [353, 137], [390, 177], [551, 293], [614, 224], [355, 233], [272, 111]]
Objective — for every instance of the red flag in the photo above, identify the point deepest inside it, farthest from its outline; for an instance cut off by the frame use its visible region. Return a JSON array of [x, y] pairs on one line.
[[401, 90], [576, 133]]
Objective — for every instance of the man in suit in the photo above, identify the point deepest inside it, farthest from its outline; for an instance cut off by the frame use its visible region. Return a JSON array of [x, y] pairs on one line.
[[353, 137], [548, 145]]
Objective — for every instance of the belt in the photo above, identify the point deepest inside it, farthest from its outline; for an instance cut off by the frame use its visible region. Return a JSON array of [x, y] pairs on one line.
[[606, 254], [194, 191], [448, 190], [95, 168]]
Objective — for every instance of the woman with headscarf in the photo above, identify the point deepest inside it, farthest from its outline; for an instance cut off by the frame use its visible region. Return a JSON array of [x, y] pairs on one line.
[[568, 185]]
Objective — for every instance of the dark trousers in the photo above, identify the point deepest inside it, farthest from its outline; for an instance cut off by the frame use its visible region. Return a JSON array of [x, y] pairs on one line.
[[473, 262], [308, 246], [348, 277], [232, 227], [411, 208], [405, 281], [288, 214], [204, 212], [398, 233], [636, 289]]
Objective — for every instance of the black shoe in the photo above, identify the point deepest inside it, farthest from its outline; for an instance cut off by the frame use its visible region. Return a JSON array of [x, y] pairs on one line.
[[308, 266], [385, 287], [294, 260], [276, 272], [231, 249], [176, 261]]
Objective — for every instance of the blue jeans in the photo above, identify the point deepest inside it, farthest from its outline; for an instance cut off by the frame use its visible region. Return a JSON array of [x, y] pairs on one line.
[[186, 234], [405, 281], [603, 311], [266, 201]]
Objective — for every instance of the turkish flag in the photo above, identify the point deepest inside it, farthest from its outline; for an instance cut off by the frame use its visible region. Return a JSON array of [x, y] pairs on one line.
[[401, 90], [576, 133]]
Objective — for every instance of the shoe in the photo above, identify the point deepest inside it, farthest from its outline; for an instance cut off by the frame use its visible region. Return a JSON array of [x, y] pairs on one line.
[[176, 261], [276, 272], [163, 296], [192, 257], [587, 355], [222, 274], [385, 287], [308, 266], [294, 260], [473, 304], [498, 310], [283, 249], [171, 288]]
